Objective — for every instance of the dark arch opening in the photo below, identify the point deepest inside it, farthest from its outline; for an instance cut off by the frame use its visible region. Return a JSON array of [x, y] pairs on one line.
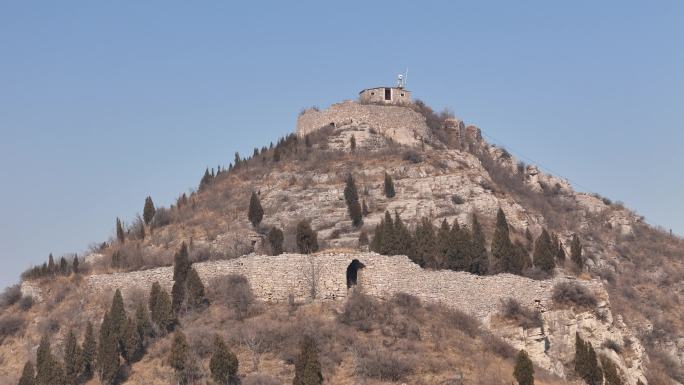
[[352, 272]]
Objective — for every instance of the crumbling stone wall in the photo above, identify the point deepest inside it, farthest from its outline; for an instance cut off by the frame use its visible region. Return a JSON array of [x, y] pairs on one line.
[[274, 278], [401, 124]]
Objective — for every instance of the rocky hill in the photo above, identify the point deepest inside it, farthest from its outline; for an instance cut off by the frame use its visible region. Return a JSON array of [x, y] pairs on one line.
[[441, 169]]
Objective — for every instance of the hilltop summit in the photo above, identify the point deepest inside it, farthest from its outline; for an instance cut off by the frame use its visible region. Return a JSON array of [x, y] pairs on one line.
[[455, 248]]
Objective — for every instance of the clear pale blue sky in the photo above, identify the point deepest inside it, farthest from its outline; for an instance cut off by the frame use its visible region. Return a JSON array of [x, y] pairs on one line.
[[103, 103]]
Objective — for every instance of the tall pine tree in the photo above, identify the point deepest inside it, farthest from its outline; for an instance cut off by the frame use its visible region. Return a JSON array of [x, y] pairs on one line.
[[545, 252], [120, 235], [107, 352], [178, 356], [181, 264], [306, 237], [255, 212], [117, 315], [479, 258], [425, 250], [195, 290], [502, 248], [576, 252], [88, 352], [72, 359], [28, 376], [148, 210], [223, 363], [275, 239], [523, 370], [307, 366], [389, 186], [351, 196]]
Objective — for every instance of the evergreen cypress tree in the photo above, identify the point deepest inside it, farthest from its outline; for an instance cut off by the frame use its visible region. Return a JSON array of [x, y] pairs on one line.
[[117, 315], [276, 154], [364, 208], [307, 239], [74, 265], [444, 244], [148, 210], [458, 255], [519, 260], [502, 248], [160, 309], [523, 371], [142, 321], [195, 287], [275, 239], [544, 252], [404, 242], [256, 212], [576, 252], [586, 363], [28, 376], [72, 359], [478, 253], [388, 236], [389, 187], [88, 351], [120, 235], [51, 265], [425, 251], [63, 266], [307, 367], [48, 369], [560, 250], [181, 264], [611, 372], [152, 299], [178, 356], [43, 361], [223, 363], [131, 342], [351, 196], [352, 143], [206, 180], [376, 243], [177, 296], [107, 352]]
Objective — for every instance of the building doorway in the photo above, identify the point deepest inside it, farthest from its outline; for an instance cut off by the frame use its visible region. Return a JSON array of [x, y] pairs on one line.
[[353, 272], [388, 94]]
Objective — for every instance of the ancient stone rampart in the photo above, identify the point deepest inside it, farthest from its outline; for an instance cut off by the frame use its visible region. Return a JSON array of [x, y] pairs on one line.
[[401, 124], [274, 278]]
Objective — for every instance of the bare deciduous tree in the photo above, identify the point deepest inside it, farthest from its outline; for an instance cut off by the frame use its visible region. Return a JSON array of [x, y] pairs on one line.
[[312, 275], [253, 339]]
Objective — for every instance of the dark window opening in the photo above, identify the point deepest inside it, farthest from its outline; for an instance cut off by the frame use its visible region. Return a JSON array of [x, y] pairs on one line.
[[352, 272], [372, 93], [402, 94], [388, 94]]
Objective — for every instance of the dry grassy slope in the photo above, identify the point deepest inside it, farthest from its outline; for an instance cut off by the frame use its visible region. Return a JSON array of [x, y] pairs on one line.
[[640, 266]]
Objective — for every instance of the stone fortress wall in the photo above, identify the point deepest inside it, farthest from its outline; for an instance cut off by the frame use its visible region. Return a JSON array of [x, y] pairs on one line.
[[401, 124], [274, 278]]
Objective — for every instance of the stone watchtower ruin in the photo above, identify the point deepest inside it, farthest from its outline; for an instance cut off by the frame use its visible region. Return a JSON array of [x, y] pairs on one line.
[[397, 95], [385, 95]]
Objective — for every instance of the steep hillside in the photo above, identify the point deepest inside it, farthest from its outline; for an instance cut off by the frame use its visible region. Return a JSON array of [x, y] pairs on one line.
[[440, 169]]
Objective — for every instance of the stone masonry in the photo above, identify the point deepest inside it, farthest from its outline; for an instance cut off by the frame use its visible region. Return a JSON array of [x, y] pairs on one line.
[[402, 124], [274, 278]]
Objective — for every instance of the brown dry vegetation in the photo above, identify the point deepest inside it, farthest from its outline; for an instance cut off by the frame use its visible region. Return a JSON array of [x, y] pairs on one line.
[[643, 272]]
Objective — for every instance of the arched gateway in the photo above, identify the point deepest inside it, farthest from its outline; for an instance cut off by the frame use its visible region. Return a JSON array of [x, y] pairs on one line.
[[352, 272]]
